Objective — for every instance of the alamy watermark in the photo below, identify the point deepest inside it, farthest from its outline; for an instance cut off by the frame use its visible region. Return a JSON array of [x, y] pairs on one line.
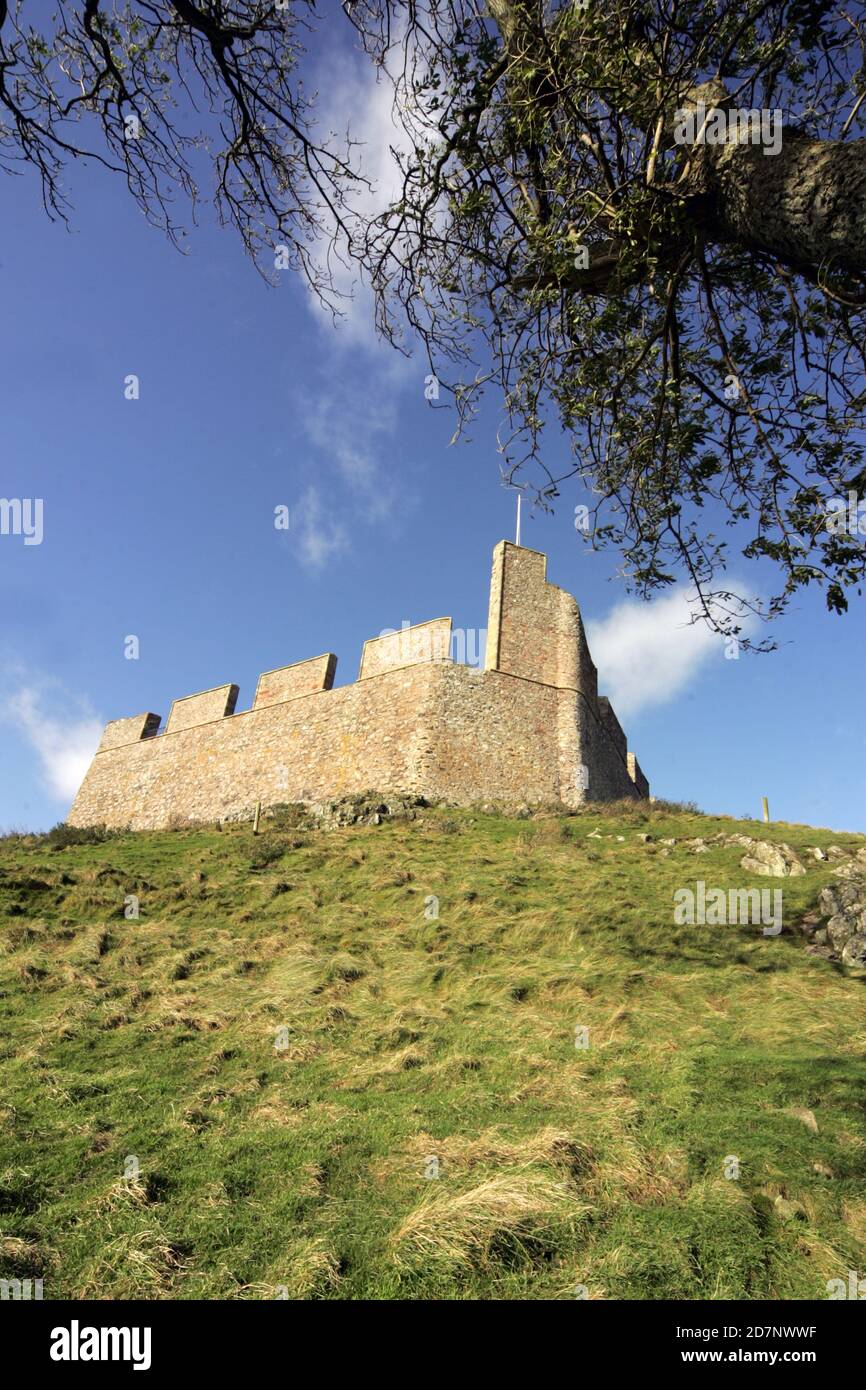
[[77, 1343], [855, 1287], [846, 517], [429, 642], [22, 516], [20, 1289], [716, 125], [713, 907]]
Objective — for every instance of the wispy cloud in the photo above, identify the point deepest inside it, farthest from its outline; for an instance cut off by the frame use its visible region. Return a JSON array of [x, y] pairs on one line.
[[358, 118], [348, 475], [350, 413], [317, 534], [352, 425], [64, 742], [648, 653]]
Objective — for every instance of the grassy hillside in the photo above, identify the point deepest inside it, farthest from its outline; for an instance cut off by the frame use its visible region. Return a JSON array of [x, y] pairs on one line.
[[304, 1163]]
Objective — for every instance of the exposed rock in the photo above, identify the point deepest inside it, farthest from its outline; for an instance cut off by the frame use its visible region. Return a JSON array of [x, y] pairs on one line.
[[779, 861], [370, 808], [854, 951], [645, 839], [848, 869], [840, 928], [841, 907], [837, 896]]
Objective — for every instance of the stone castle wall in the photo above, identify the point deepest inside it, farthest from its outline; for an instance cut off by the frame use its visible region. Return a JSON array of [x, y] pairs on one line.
[[530, 727]]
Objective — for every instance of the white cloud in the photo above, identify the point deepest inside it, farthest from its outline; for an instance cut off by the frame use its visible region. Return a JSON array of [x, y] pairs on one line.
[[65, 745], [350, 424], [359, 108], [349, 420], [318, 534], [647, 653], [349, 410]]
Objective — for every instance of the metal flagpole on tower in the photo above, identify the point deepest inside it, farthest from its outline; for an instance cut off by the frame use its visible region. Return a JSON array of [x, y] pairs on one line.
[[519, 500]]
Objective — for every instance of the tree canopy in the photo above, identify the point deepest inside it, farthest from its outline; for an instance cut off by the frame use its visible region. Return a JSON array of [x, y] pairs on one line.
[[643, 221]]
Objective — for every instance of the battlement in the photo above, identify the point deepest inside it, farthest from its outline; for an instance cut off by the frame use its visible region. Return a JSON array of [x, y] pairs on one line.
[[430, 641], [289, 682], [529, 727], [121, 731], [202, 708]]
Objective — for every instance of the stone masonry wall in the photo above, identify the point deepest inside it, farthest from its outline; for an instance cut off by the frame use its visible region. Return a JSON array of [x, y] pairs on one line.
[[530, 727]]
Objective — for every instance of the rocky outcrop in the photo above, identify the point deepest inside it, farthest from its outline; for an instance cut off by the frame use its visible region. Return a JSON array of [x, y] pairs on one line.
[[777, 860], [837, 926], [369, 808]]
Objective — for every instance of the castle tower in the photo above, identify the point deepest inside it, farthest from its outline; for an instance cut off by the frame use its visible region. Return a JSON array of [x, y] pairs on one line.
[[535, 633]]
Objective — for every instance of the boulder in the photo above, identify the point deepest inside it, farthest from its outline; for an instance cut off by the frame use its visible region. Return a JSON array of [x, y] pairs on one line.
[[778, 861], [848, 869], [841, 928], [842, 909], [854, 951]]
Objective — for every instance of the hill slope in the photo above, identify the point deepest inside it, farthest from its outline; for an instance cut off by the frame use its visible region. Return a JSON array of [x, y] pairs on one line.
[[289, 1077]]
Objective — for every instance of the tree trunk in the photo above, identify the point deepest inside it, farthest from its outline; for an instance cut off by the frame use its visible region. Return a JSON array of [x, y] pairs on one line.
[[806, 204]]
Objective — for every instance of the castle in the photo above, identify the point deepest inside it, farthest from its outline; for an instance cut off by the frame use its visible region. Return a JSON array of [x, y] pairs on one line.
[[529, 727]]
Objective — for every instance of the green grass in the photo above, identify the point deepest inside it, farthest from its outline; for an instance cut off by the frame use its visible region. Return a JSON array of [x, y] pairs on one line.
[[303, 1168]]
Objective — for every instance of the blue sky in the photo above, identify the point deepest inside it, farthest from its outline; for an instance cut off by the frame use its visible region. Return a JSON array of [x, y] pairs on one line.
[[159, 522]]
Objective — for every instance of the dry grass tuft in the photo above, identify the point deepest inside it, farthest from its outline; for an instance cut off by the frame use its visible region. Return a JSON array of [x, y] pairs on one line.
[[512, 1213], [552, 1146]]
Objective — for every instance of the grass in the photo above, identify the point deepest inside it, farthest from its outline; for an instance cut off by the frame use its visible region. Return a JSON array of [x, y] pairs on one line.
[[288, 1078]]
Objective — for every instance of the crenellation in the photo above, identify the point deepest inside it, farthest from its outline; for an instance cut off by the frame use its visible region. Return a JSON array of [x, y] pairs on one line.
[[530, 727], [429, 641], [189, 710], [291, 682], [131, 730]]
